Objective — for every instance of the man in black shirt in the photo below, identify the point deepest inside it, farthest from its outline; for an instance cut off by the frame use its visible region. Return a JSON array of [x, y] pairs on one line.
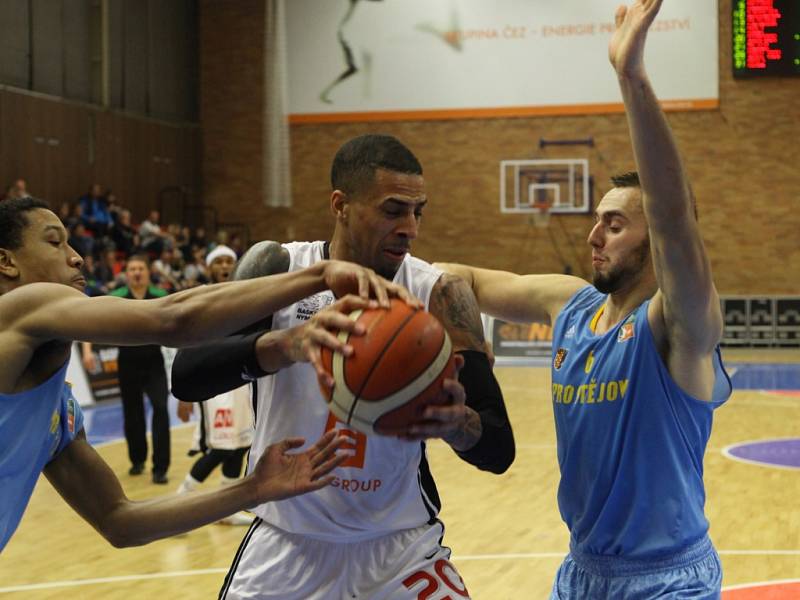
[[141, 371]]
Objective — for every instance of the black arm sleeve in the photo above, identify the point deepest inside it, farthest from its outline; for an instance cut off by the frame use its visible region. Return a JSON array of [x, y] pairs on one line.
[[202, 372], [495, 449]]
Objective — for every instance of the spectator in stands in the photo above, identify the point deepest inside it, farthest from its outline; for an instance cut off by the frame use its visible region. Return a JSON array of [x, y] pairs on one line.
[[199, 238], [150, 234], [75, 217], [17, 189], [64, 213], [81, 241], [123, 234], [221, 239], [236, 244], [226, 441], [22, 188], [109, 270], [196, 273], [183, 242], [96, 217], [95, 285], [165, 274], [114, 207]]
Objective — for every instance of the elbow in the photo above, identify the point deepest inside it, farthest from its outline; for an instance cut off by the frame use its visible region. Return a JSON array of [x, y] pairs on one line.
[[179, 378], [494, 453], [119, 536], [119, 529], [505, 457], [127, 538], [184, 381], [118, 541]]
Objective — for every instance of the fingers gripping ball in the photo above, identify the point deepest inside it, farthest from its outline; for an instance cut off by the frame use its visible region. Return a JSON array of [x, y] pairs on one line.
[[395, 371]]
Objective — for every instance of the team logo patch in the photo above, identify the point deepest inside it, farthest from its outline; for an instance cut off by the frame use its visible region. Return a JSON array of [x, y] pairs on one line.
[[71, 414], [561, 354], [627, 331], [310, 306]]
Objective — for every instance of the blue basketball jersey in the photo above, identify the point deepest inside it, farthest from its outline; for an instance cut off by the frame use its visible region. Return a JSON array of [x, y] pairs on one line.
[[35, 426], [630, 441]]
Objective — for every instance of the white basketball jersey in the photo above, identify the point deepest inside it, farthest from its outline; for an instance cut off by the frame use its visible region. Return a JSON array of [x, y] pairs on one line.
[[229, 420], [379, 489]]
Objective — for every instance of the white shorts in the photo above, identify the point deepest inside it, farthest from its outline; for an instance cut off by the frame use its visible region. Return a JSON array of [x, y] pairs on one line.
[[408, 565]]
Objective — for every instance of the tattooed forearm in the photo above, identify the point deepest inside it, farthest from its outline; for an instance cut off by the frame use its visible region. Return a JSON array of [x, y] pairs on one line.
[[468, 434], [264, 258], [454, 304]]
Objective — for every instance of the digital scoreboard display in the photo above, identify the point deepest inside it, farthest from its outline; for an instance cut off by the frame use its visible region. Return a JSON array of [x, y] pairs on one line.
[[766, 37]]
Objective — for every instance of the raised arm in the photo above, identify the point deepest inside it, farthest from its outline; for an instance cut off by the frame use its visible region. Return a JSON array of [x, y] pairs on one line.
[[89, 485], [687, 301], [519, 298]]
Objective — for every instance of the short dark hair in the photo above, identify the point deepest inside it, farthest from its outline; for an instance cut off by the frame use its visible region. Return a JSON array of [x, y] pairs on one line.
[[356, 161], [629, 179], [14, 219], [142, 258]]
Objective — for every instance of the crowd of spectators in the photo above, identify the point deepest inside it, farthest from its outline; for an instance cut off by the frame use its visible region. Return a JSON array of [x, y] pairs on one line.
[[103, 232]]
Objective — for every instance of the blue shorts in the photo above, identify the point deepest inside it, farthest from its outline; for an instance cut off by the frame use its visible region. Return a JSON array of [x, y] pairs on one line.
[[692, 574]]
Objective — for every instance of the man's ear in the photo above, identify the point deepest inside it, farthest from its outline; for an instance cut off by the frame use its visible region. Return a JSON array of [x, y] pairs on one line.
[[8, 265], [340, 205]]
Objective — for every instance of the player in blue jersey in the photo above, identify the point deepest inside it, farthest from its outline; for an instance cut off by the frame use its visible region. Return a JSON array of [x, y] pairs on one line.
[[43, 308], [636, 371]]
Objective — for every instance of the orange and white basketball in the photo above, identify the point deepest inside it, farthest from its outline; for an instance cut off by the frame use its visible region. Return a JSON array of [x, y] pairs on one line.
[[396, 369]]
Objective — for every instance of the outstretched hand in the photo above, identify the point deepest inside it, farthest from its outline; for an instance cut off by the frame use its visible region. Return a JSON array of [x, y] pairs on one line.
[[443, 418], [626, 48], [348, 278], [279, 474], [185, 410], [306, 341]]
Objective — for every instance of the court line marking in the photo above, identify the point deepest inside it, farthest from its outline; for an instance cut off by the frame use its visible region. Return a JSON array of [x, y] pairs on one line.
[[744, 586], [79, 582], [118, 440], [726, 452], [455, 558]]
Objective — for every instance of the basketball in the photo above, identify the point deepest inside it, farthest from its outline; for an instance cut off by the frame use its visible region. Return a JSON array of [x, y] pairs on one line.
[[395, 371]]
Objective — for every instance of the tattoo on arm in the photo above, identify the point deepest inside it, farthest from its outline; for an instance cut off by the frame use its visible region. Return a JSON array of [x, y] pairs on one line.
[[264, 258], [454, 304]]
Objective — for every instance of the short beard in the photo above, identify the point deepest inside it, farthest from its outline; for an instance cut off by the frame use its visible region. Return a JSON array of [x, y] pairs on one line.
[[387, 273], [621, 276]]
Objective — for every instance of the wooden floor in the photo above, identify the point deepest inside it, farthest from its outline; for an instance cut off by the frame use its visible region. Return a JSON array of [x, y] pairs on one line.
[[505, 531]]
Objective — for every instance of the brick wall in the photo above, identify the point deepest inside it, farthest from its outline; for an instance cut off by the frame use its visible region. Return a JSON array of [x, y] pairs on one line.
[[742, 159]]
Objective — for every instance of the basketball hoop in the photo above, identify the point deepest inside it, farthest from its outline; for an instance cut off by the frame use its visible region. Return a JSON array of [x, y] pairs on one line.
[[541, 214]]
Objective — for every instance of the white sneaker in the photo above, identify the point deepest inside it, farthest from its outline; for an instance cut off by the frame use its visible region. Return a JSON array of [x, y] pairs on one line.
[[189, 484], [237, 519]]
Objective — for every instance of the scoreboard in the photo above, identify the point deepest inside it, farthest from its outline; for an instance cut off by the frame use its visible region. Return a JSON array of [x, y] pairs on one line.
[[766, 37]]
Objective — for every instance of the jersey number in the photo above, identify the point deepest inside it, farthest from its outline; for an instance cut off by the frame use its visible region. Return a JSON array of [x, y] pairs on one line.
[[444, 573]]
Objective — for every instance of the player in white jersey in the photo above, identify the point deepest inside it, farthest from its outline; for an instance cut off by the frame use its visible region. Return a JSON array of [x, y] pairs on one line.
[[43, 309], [374, 533], [224, 430]]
